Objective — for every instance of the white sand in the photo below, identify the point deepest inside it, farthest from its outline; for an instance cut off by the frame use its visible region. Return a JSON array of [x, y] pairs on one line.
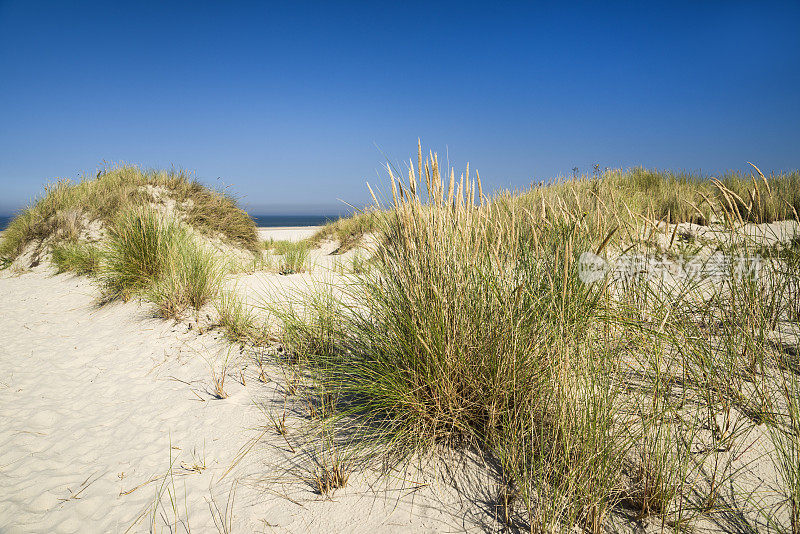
[[95, 401], [289, 233], [92, 398]]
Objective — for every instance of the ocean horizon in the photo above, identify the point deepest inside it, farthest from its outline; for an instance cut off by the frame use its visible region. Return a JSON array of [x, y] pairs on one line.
[[265, 221]]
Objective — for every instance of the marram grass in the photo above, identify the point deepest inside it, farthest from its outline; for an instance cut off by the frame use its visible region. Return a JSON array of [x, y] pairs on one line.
[[77, 257], [622, 198], [472, 328], [347, 231], [156, 256], [293, 255], [467, 330]]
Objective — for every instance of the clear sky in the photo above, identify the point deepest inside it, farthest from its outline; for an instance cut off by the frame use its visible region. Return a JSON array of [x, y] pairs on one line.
[[286, 102]]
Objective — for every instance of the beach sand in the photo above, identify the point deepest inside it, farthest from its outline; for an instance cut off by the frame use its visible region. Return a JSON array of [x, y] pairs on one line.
[[288, 233], [108, 418]]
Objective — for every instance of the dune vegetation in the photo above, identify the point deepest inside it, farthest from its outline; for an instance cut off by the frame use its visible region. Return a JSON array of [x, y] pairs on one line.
[[67, 210], [156, 256], [627, 399], [76, 257], [629, 196], [293, 255], [347, 231], [150, 234]]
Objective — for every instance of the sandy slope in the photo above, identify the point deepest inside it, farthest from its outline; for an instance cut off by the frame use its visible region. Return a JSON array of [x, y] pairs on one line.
[[93, 400], [97, 402]]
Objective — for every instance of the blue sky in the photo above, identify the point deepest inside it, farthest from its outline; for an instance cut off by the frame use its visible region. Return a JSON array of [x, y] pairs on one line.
[[286, 102]]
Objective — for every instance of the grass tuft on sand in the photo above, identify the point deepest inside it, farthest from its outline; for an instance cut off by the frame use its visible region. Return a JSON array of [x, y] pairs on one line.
[[153, 255], [294, 255], [77, 257]]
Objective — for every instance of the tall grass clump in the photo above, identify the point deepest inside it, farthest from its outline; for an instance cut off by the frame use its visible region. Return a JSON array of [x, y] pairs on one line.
[[295, 257], [141, 244], [77, 257], [294, 254], [627, 397], [156, 256], [473, 328], [190, 279]]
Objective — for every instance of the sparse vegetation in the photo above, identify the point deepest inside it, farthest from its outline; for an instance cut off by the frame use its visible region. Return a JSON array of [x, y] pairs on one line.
[[239, 321], [219, 372], [785, 434], [331, 470]]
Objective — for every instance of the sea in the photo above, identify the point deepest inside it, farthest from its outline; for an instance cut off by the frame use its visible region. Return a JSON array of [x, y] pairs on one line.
[[292, 220], [261, 220]]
